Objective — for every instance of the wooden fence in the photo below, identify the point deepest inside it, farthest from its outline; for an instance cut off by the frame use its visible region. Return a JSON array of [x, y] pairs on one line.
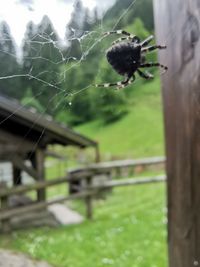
[[119, 165], [88, 192]]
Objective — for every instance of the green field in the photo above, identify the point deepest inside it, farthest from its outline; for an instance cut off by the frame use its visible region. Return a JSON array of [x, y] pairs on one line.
[[139, 133], [128, 230], [129, 226]]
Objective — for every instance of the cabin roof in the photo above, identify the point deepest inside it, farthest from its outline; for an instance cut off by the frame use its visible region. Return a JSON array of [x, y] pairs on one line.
[[37, 127]]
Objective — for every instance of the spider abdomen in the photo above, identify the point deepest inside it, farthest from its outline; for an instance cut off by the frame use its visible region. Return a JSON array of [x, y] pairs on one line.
[[127, 57], [124, 57]]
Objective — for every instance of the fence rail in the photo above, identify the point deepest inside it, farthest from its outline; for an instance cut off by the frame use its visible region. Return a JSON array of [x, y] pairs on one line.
[[88, 192], [104, 166], [127, 182]]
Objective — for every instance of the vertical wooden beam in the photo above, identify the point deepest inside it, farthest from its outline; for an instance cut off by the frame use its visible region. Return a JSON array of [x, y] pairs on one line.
[[38, 162], [97, 154], [17, 177], [88, 200], [178, 26], [5, 223], [40, 158]]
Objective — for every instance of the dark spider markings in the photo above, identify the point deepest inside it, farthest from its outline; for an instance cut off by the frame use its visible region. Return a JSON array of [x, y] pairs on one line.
[[126, 56]]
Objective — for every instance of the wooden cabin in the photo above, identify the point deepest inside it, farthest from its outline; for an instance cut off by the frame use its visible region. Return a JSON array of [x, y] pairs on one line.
[[25, 136]]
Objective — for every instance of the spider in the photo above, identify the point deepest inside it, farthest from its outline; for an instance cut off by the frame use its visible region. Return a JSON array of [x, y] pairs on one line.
[[126, 56]]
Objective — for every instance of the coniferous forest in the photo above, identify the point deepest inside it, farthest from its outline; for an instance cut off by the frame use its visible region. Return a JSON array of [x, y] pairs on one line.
[[57, 77]]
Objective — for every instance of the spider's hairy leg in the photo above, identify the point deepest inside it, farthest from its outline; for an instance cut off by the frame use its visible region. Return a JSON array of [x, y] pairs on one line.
[[153, 64], [120, 32], [125, 83], [122, 39], [119, 85], [145, 75], [105, 85], [152, 48], [147, 41]]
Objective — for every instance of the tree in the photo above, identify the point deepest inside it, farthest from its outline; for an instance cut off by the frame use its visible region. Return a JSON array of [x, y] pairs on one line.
[[8, 64], [112, 106], [142, 9], [77, 78], [41, 58], [29, 100], [74, 30], [76, 22], [87, 21], [29, 53], [96, 18], [109, 104]]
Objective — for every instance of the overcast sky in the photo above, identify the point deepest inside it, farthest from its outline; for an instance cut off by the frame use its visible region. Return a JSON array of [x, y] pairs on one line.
[[18, 12]]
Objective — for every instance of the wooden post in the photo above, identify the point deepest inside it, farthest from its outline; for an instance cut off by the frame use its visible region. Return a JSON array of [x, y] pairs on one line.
[[17, 178], [88, 200], [38, 161], [97, 154], [178, 26], [5, 223]]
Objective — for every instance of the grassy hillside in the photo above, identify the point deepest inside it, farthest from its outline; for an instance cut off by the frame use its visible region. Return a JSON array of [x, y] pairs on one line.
[[129, 226], [129, 229], [140, 132]]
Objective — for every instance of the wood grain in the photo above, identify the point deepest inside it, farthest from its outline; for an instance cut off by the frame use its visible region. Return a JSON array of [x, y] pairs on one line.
[[178, 26]]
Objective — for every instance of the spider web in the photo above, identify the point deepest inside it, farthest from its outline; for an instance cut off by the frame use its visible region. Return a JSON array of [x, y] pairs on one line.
[[94, 37], [88, 41]]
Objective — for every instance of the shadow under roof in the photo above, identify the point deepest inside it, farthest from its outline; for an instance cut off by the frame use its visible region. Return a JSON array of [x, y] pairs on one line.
[[37, 127]]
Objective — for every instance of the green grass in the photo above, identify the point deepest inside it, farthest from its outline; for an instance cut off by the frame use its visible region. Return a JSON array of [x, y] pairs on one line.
[[138, 134], [128, 230], [129, 226]]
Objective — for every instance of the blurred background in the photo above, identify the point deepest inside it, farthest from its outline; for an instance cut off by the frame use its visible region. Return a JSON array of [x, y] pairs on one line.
[[51, 55]]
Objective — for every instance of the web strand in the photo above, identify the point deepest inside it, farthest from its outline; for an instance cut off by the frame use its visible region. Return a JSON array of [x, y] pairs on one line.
[[93, 38]]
